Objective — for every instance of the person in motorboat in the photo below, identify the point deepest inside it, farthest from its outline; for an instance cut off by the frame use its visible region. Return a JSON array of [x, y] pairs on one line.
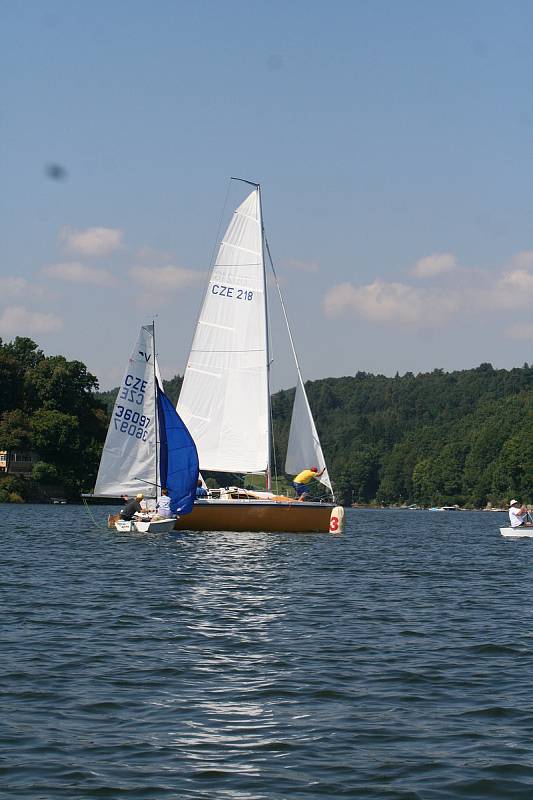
[[163, 506], [201, 491], [518, 515], [132, 508], [303, 479]]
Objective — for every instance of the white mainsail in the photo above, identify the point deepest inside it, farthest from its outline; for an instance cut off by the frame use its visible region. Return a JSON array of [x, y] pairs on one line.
[[128, 463], [304, 449], [224, 397]]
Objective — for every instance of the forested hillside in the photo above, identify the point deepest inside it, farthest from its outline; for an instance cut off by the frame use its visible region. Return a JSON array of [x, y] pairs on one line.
[[48, 407], [435, 438]]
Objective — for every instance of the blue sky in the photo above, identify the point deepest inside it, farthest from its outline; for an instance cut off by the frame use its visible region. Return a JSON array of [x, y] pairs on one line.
[[393, 142]]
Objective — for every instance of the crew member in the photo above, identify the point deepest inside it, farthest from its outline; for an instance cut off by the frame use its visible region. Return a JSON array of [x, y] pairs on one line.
[[201, 491], [303, 479], [163, 505], [131, 508], [518, 515]]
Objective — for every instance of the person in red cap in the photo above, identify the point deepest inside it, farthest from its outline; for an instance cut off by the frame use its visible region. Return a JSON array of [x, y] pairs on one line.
[[303, 479]]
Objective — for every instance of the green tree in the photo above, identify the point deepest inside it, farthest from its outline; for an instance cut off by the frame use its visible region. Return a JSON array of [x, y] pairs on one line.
[[15, 433]]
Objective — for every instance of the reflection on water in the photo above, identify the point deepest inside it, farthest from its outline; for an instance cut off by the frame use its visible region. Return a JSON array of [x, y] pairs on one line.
[[390, 662]]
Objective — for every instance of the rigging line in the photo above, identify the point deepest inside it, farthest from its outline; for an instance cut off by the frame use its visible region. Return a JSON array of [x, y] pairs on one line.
[[92, 517], [156, 414], [217, 239], [211, 264], [267, 247]]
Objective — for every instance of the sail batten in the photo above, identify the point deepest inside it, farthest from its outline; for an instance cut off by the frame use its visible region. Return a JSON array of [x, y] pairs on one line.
[[224, 397]]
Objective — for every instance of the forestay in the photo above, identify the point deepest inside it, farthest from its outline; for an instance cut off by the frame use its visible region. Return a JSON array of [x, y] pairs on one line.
[[224, 397], [128, 459], [304, 449]]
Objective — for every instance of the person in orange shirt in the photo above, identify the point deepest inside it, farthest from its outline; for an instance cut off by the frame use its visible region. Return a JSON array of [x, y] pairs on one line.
[[303, 479]]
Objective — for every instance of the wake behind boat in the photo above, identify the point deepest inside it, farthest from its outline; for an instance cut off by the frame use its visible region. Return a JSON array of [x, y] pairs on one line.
[[225, 396]]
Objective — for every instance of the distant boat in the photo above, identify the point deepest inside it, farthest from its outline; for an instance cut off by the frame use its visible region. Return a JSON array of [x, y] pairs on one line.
[[520, 532], [147, 445], [517, 533], [225, 396]]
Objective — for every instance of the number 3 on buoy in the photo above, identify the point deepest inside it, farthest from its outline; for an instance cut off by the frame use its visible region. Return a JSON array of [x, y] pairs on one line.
[[336, 520]]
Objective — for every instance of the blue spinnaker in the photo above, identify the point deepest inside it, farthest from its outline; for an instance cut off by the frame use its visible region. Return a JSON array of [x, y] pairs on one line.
[[178, 457]]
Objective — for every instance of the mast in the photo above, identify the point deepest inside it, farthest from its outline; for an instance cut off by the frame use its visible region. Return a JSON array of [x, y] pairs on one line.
[[269, 467], [156, 420], [268, 473], [224, 400]]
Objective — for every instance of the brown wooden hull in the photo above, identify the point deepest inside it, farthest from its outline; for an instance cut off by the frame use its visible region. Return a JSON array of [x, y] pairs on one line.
[[249, 515]]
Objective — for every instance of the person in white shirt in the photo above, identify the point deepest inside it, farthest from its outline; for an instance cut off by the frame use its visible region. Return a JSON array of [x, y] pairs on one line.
[[163, 505], [518, 515]]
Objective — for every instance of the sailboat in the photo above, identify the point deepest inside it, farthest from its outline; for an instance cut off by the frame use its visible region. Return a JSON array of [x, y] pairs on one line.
[[147, 445], [225, 396]]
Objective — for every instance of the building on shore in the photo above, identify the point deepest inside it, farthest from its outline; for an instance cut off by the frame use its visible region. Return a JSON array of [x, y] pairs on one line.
[[16, 463]]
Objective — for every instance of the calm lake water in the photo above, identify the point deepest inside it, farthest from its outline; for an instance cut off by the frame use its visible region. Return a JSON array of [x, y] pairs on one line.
[[394, 661]]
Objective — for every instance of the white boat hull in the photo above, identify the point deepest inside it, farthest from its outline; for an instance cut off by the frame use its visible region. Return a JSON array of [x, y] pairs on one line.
[[150, 526], [524, 533]]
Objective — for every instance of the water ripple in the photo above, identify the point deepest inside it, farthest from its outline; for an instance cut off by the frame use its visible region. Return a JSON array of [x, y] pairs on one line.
[[391, 662]]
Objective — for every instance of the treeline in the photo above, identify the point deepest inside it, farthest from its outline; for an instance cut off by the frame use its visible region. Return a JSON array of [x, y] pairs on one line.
[[48, 407], [434, 438]]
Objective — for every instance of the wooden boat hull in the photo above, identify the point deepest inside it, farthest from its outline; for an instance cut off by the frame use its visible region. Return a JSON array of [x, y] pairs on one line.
[[250, 515]]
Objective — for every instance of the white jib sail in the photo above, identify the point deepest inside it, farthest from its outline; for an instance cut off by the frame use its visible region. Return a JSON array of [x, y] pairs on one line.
[[304, 450], [128, 463], [224, 397]]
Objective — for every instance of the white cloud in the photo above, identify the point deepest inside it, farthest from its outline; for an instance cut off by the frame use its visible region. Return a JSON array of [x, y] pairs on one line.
[[11, 287], [513, 289], [18, 321], [435, 264], [519, 281], [479, 291], [91, 241], [394, 303], [75, 272], [165, 279], [522, 260]]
